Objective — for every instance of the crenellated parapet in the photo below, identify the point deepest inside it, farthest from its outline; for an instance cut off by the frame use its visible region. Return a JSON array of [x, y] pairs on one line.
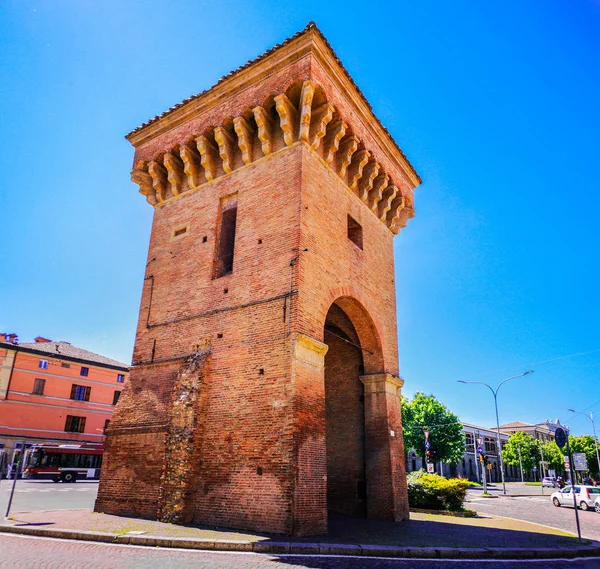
[[300, 115]]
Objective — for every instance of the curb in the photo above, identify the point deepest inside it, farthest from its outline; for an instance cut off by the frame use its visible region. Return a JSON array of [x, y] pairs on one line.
[[464, 514], [290, 547]]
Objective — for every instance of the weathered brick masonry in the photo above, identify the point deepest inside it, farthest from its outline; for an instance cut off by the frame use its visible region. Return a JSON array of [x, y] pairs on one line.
[[264, 388]]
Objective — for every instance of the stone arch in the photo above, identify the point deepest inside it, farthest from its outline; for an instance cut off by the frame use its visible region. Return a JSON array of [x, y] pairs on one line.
[[358, 311], [352, 341]]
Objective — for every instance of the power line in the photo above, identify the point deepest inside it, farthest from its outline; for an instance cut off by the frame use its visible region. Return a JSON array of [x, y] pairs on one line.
[[531, 364]]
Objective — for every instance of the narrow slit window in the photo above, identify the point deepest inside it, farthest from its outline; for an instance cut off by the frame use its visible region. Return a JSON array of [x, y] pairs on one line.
[[226, 238], [355, 232]]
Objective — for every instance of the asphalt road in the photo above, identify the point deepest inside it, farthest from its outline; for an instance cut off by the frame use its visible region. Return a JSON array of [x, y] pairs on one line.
[[538, 509], [42, 553], [31, 496]]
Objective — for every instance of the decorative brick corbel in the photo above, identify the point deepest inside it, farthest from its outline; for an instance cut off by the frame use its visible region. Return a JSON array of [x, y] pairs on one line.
[[359, 161], [335, 133], [306, 98], [174, 167], [376, 194], [159, 179], [365, 185], [386, 202], [226, 145], [348, 146], [401, 218], [244, 136], [321, 117], [140, 176], [287, 117], [191, 165], [208, 157], [265, 129]]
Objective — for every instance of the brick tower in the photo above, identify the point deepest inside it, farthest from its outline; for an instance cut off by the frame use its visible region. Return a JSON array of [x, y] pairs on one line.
[[264, 390]]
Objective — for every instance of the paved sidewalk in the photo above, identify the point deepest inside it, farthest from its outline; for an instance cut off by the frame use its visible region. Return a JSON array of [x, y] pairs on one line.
[[425, 535]]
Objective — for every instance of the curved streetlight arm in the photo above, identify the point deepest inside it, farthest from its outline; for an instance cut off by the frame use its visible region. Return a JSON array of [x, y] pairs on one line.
[[481, 383], [591, 416], [513, 377], [495, 394]]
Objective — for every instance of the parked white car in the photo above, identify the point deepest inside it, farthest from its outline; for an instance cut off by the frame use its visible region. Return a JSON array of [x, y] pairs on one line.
[[586, 497], [597, 504], [549, 481]]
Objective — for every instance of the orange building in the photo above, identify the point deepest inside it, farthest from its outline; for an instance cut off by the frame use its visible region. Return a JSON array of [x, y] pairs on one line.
[[54, 391]]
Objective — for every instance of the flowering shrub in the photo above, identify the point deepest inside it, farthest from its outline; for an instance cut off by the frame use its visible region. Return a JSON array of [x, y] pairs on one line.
[[434, 492]]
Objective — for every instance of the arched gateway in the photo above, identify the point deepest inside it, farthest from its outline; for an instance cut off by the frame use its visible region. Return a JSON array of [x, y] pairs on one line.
[[264, 389]]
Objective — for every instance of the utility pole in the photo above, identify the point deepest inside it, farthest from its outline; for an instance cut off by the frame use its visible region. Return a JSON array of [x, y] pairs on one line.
[[543, 466], [520, 462]]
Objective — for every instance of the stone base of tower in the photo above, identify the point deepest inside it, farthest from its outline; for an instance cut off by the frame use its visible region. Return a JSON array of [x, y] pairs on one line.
[[130, 482], [222, 451], [386, 469]]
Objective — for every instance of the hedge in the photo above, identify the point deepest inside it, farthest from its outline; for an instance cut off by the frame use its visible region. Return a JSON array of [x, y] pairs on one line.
[[434, 492]]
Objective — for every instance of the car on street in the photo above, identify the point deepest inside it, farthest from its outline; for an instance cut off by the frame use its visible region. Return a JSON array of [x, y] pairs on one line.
[[549, 481], [585, 496], [597, 504]]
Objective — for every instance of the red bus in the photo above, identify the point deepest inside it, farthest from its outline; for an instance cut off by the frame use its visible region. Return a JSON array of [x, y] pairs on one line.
[[66, 462]]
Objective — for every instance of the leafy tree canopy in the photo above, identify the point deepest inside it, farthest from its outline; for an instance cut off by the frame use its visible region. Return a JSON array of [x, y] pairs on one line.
[[587, 445], [553, 455], [529, 447], [446, 439]]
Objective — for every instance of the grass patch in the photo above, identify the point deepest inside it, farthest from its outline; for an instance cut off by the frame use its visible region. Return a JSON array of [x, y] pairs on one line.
[[533, 483]]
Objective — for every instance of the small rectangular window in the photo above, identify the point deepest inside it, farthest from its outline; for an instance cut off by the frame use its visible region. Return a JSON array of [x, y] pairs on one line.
[[75, 424], [43, 364], [65, 364], [116, 396], [179, 231], [355, 232], [38, 386], [80, 392], [120, 378], [226, 237], [84, 371], [106, 423]]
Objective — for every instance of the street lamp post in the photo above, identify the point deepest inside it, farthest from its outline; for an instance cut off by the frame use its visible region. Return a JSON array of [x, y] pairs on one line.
[[591, 417], [520, 462], [495, 394]]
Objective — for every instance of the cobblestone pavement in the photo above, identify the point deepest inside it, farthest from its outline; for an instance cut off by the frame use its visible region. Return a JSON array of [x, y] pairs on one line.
[[18, 552], [538, 509]]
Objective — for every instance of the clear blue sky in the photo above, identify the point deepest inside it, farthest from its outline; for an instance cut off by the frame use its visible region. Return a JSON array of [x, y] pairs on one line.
[[496, 105]]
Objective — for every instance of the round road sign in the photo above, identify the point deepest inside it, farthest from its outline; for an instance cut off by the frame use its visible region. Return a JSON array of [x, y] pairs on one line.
[[560, 437]]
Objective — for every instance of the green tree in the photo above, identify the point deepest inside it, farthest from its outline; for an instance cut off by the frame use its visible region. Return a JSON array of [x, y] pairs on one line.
[[553, 455], [446, 438], [586, 444], [529, 447]]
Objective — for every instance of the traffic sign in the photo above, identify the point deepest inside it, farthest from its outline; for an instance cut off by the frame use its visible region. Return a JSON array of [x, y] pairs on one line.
[[580, 461], [560, 437], [427, 445], [480, 450], [430, 467]]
